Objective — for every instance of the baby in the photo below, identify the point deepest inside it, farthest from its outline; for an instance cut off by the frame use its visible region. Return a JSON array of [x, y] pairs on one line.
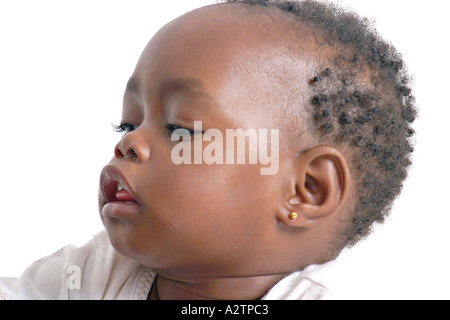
[[260, 138]]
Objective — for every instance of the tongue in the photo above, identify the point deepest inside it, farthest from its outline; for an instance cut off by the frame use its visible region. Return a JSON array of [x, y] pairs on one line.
[[124, 195]]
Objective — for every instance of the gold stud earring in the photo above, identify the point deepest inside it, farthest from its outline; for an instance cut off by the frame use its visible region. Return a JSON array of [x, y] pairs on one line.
[[293, 215]]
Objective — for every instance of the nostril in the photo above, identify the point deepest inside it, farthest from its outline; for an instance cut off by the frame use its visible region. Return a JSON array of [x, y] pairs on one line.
[[117, 153], [133, 146], [130, 153]]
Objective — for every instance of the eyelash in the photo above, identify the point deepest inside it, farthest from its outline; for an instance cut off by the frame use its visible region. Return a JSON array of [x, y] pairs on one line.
[[172, 127], [127, 128], [124, 127]]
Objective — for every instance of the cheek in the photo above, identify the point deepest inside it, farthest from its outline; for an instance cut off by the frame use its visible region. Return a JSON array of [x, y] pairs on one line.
[[195, 193], [210, 202], [204, 215]]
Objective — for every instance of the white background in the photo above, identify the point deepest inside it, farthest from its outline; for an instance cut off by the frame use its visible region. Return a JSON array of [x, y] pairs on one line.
[[63, 69]]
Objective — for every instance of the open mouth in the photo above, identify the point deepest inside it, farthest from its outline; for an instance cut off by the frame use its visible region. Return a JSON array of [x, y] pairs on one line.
[[124, 195], [115, 191], [116, 197]]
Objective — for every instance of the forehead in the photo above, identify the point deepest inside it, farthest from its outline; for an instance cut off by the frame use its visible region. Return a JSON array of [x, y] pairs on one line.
[[225, 38], [236, 52]]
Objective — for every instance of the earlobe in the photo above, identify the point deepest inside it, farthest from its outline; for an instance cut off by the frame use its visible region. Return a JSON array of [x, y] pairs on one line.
[[321, 187]]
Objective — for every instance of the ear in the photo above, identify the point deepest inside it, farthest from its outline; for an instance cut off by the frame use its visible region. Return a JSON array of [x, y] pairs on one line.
[[320, 189]]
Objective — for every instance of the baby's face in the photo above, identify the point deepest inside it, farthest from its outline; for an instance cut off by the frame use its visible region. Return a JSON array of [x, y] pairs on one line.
[[205, 219]]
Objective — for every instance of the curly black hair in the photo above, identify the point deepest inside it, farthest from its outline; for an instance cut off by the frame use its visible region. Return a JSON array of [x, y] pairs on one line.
[[360, 98]]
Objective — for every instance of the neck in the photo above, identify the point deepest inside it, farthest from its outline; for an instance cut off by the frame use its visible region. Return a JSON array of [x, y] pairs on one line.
[[220, 288]]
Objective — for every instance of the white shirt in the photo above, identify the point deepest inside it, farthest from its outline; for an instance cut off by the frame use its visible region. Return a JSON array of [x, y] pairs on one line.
[[96, 271]]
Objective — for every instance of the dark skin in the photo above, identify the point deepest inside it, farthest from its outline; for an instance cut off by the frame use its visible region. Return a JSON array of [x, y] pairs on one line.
[[221, 231]]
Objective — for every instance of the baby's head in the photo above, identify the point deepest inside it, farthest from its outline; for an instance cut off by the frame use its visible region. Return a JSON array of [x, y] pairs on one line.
[[337, 94]]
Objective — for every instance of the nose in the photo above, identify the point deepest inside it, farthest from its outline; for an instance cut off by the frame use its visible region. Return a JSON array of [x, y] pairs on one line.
[[133, 145]]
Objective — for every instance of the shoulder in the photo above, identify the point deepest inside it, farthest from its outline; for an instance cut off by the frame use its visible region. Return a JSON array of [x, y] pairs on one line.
[[315, 282], [92, 271]]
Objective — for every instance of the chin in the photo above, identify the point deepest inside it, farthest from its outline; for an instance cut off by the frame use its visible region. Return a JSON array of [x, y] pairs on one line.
[[130, 243]]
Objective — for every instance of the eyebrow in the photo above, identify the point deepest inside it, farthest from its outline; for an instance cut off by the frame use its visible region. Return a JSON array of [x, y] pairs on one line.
[[192, 87]]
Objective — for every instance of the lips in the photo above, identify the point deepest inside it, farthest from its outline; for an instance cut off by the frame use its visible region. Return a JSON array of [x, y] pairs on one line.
[[116, 198], [123, 195]]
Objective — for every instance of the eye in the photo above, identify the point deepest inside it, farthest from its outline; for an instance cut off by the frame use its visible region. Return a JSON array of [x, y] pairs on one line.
[[124, 127], [172, 127]]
